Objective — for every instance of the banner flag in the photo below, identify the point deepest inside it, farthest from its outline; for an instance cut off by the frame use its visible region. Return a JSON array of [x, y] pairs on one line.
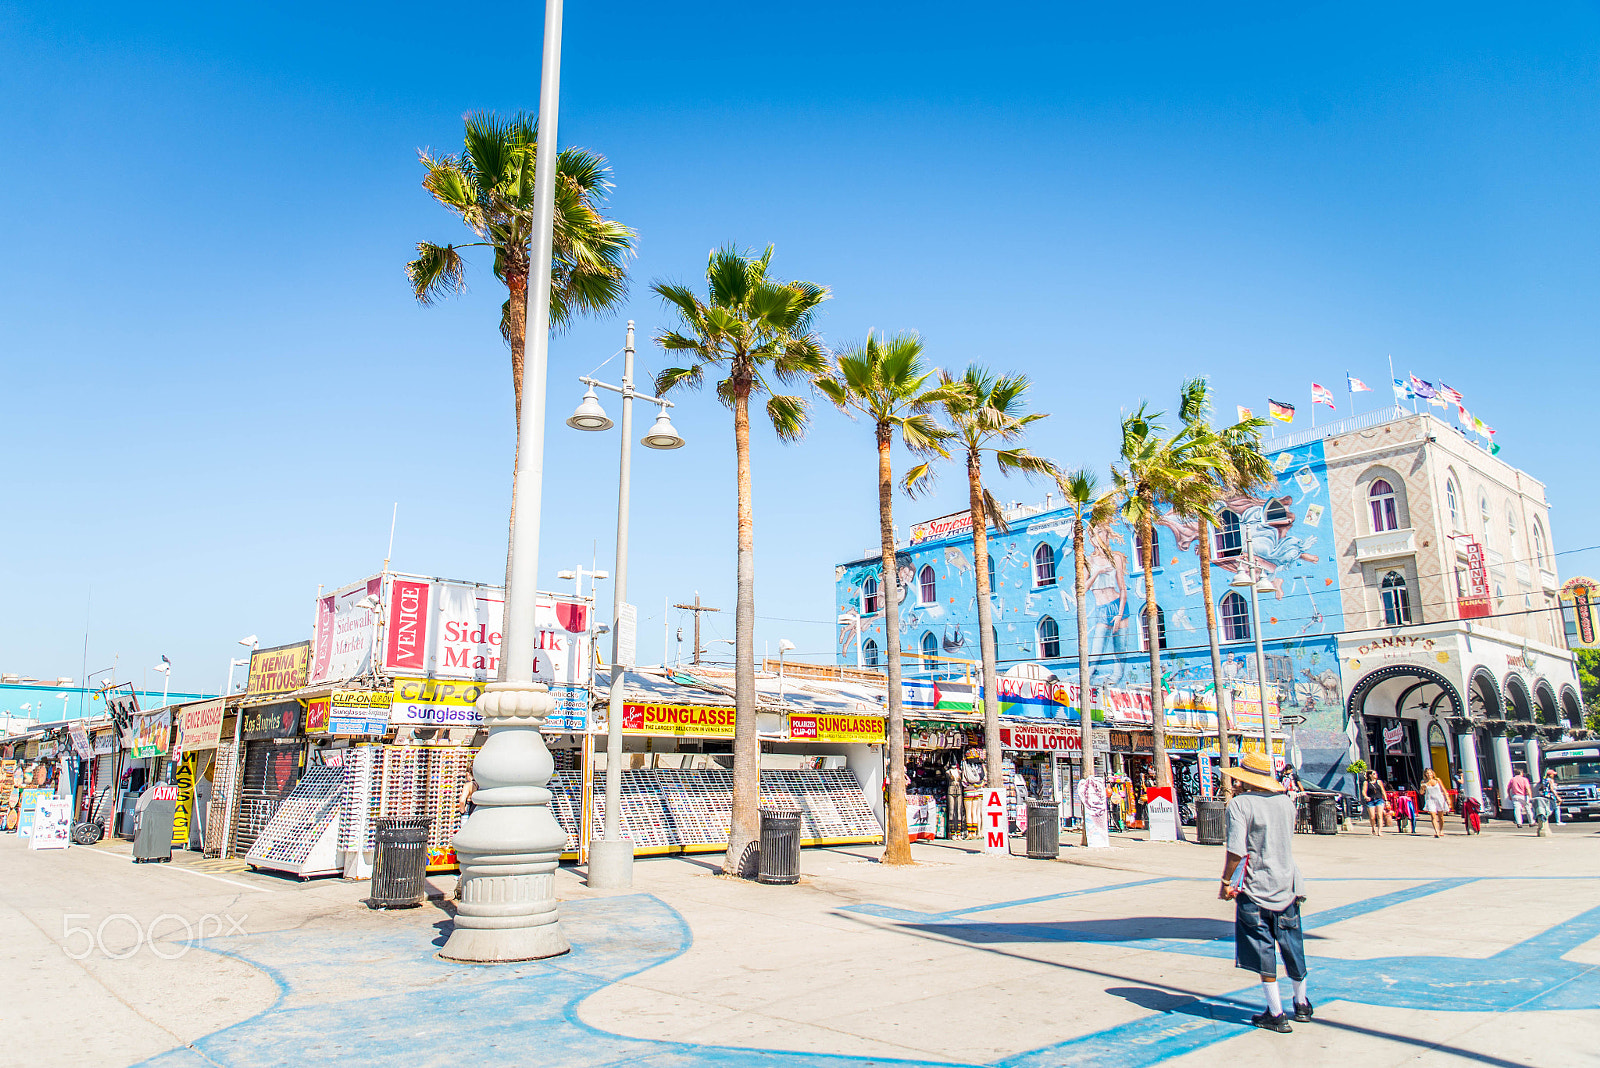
[[1319, 395], [1421, 388], [1463, 416], [1283, 413], [1402, 392], [1244, 413], [1449, 394], [1355, 384]]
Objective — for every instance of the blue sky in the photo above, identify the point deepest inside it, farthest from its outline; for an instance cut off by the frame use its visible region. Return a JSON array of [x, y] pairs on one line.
[[216, 383]]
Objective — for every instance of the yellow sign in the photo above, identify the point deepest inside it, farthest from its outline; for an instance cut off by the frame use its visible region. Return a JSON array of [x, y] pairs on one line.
[[424, 691], [695, 721], [1580, 602], [199, 725], [279, 670]]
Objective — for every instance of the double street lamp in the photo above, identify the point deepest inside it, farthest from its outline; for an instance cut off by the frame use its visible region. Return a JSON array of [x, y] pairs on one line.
[[1256, 579], [611, 857]]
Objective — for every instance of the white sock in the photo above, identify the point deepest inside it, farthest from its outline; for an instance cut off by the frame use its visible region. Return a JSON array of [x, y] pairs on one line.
[[1300, 990], [1269, 987]]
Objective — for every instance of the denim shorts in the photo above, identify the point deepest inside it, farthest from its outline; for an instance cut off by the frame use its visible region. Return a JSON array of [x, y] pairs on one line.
[[1255, 932]]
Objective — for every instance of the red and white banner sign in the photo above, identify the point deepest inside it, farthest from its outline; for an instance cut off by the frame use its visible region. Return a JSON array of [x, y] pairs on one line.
[[346, 629], [408, 625], [1473, 603]]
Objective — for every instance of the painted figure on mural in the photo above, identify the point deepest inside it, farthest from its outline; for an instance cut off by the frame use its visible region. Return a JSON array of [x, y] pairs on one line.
[[1110, 623], [1266, 534]]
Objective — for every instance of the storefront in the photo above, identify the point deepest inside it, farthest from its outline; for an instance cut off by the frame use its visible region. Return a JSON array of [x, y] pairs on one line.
[[944, 768], [1040, 761], [273, 759]]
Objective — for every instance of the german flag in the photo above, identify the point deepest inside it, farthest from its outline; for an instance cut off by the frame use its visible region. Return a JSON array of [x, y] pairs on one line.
[[1283, 413]]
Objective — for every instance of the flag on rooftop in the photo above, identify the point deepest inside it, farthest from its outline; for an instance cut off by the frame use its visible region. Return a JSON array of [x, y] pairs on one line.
[[1283, 413], [1356, 385], [1421, 388], [1463, 416], [1402, 392], [1449, 394], [1244, 413], [1319, 395]]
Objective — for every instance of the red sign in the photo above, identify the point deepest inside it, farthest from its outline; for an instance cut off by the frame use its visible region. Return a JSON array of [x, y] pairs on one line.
[[995, 832], [164, 791], [408, 625], [1041, 738], [1473, 602], [317, 715]]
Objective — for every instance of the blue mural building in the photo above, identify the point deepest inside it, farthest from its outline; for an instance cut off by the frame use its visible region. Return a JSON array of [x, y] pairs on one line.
[[1287, 527]]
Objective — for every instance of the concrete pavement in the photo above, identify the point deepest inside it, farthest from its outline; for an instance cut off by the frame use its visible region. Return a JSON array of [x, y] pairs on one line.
[[1483, 950]]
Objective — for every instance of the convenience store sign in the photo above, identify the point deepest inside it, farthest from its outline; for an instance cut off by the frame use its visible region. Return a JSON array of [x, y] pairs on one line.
[[688, 721], [826, 728]]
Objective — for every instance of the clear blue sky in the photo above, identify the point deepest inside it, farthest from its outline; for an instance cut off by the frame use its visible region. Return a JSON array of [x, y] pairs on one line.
[[216, 381]]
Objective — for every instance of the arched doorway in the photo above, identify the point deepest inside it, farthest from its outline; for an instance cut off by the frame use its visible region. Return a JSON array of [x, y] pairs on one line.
[[1571, 707], [1396, 705], [1544, 700], [1519, 706]]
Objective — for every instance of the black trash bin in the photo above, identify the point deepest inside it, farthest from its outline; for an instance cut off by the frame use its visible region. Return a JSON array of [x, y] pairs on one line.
[[1044, 830], [1210, 821], [401, 863], [780, 846], [1325, 813]]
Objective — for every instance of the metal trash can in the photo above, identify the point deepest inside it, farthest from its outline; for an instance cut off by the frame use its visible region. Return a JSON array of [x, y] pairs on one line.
[[780, 846], [1324, 814], [1044, 830], [400, 864], [1210, 821]]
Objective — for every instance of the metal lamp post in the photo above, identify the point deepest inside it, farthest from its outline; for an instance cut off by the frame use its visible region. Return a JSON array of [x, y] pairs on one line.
[[511, 845], [1255, 581], [611, 857]]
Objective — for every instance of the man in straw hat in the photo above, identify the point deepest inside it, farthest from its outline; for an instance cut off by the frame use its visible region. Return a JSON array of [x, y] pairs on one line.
[[1261, 878]]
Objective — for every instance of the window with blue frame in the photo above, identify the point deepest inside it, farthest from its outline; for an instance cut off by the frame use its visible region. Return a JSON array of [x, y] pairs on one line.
[[871, 603], [1235, 618], [927, 585], [1229, 537], [1049, 639], [869, 653], [1044, 565]]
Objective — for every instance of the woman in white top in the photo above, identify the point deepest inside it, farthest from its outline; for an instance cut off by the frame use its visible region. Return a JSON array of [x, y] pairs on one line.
[[1435, 802]]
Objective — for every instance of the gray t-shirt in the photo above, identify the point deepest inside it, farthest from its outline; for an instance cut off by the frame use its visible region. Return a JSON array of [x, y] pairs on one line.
[[1261, 829]]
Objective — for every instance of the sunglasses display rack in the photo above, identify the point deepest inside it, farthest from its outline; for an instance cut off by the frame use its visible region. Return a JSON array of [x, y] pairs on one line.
[[360, 801], [223, 784], [302, 835]]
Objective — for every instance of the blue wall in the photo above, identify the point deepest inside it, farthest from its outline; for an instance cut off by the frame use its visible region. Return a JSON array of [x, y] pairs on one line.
[[1288, 527]]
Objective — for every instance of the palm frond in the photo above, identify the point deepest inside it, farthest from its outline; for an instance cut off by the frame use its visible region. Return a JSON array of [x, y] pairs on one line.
[[1021, 460], [437, 271], [789, 416], [919, 480], [679, 377]]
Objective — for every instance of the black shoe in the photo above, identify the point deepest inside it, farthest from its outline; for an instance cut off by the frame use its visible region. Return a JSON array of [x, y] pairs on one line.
[[1302, 1012], [1268, 1022]]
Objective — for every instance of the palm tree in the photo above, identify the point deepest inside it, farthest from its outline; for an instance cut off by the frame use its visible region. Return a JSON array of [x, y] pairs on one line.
[[987, 411], [886, 380], [1081, 489], [490, 187], [1155, 470], [1241, 467], [755, 330]]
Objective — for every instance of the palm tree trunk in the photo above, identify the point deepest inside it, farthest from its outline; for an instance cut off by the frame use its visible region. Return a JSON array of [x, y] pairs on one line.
[[1080, 580], [745, 835], [897, 838], [1216, 655], [986, 650], [1158, 712], [517, 321]]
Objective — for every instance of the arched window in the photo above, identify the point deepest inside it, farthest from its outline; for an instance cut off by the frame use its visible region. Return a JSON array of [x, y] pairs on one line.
[[1538, 542], [1381, 499], [930, 648], [870, 601], [1451, 499], [1235, 618], [1483, 512], [1044, 565], [1145, 558], [1396, 600], [1499, 595], [1277, 512], [928, 585], [1230, 537], [1511, 523], [1049, 639], [1161, 628], [869, 652], [990, 558]]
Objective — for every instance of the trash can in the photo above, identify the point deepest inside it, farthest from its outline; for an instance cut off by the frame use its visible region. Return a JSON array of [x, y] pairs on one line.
[[401, 863], [1210, 821], [780, 846], [1325, 814], [1044, 830]]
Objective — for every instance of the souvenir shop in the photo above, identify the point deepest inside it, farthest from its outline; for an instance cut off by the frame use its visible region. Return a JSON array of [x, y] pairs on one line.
[[944, 770], [1041, 761]]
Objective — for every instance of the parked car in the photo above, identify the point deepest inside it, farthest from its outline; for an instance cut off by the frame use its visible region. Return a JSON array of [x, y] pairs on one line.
[[1577, 768]]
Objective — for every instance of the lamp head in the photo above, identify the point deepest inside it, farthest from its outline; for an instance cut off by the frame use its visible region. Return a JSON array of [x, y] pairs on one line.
[[785, 645], [662, 435], [589, 415], [599, 574], [565, 575], [252, 641]]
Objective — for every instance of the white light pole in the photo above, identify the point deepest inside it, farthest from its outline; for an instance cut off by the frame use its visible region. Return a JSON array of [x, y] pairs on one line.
[[611, 857], [165, 667], [1256, 582], [251, 642], [784, 646], [510, 847]]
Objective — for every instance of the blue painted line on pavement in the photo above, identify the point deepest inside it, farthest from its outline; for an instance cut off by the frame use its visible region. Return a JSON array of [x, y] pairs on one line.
[[889, 912]]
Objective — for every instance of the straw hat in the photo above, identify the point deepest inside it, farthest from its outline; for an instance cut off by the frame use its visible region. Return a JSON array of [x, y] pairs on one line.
[[1255, 769]]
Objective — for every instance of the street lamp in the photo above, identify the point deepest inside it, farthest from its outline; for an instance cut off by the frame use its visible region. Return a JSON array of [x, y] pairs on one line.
[[611, 858], [1258, 584], [784, 646], [510, 848], [165, 667]]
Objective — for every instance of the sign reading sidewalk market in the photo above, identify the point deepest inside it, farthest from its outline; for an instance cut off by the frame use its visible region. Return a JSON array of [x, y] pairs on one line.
[[435, 703], [151, 733], [280, 669], [686, 721], [355, 713], [834, 728], [199, 725]]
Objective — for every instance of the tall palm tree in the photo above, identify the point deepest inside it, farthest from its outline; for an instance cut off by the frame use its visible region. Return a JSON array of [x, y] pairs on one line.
[[1082, 491], [489, 186], [1240, 467], [886, 380], [756, 331], [987, 411], [1154, 470]]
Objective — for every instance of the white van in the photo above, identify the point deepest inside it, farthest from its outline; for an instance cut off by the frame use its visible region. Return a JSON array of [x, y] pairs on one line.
[[1577, 768]]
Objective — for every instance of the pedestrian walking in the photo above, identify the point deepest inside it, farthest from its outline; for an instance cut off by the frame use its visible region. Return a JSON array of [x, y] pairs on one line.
[[1374, 798], [1405, 812], [1435, 802], [1519, 791], [1548, 790], [1260, 877], [1470, 809]]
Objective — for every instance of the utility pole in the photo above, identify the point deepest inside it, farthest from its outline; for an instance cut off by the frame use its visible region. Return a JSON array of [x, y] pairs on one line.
[[696, 608]]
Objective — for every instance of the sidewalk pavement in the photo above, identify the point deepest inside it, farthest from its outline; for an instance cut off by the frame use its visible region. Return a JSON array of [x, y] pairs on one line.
[[1478, 950]]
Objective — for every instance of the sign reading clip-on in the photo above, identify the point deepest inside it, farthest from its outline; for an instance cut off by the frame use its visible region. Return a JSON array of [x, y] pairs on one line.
[[435, 703]]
